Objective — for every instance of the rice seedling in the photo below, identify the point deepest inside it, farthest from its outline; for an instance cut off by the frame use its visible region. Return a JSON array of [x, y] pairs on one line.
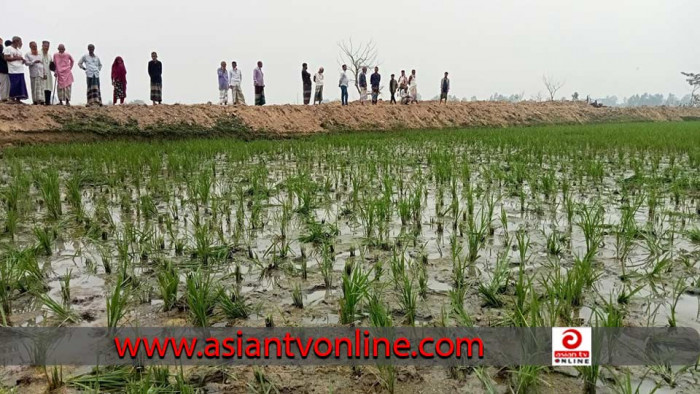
[[65, 288], [677, 292], [625, 383], [45, 237], [490, 291], [694, 234], [49, 185], [379, 316], [55, 378], [261, 383], [11, 221], [297, 297], [116, 305], [326, 267], [457, 296], [408, 301], [355, 290], [591, 224], [61, 311], [201, 297], [168, 281], [233, 304]]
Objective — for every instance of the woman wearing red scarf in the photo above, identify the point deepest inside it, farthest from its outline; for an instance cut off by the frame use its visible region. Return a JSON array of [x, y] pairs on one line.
[[119, 80]]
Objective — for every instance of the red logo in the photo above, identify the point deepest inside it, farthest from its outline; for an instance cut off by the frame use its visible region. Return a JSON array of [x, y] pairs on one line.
[[572, 339]]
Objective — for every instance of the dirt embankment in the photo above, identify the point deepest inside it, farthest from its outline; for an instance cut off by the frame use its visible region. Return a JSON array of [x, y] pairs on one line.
[[21, 124]]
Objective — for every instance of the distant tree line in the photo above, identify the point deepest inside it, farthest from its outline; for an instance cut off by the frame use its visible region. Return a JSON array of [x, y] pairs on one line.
[[636, 100]]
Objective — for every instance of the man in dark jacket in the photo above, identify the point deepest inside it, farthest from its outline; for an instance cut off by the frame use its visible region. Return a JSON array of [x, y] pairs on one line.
[[362, 83], [393, 85], [374, 81], [306, 83]]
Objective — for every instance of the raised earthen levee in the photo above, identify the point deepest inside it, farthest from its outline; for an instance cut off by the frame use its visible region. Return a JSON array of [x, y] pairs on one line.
[[21, 124]]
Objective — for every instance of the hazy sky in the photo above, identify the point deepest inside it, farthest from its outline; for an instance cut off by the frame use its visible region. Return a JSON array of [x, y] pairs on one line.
[[599, 47]]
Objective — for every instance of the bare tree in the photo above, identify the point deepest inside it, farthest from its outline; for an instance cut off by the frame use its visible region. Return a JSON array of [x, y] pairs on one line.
[[552, 86], [355, 56], [694, 81]]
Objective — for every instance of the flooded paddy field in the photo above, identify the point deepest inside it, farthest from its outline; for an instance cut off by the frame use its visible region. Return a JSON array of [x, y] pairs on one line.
[[594, 225]]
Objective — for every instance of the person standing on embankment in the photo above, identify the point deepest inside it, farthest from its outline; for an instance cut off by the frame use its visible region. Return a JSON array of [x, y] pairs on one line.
[[259, 84], [155, 73], [64, 74], [306, 83]]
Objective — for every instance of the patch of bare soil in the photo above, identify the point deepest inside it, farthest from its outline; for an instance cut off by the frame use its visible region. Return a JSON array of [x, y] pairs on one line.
[[26, 124]]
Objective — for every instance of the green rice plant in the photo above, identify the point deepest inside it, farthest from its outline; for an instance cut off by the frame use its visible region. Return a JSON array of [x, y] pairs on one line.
[[204, 243], [355, 290], [422, 281], [116, 305], [65, 288], [591, 223], [61, 311], [204, 185], [326, 267], [297, 297], [670, 374], [168, 281], [525, 378], [74, 193], [486, 380], [49, 185], [624, 383], [610, 316], [19, 273], [106, 258], [233, 304], [45, 237], [147, 207], [11, 220], [398, 266], [569, 208], [553, 243], [678, 290], [460, 264], [660, 267], [201, 297], [108, 379], [523, 243], [304, 271], [476, 235], [319, 233], [457, 296], [261, 383], [491, 291], [379, 315], [55, 378], [694, 234], [408, 301]]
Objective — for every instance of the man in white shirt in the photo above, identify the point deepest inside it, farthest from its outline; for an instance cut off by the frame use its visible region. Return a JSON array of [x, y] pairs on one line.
[[37, 73], [46, 60], [235, 76], [92, 66], [15, 68], [343, 84], [318, 79]]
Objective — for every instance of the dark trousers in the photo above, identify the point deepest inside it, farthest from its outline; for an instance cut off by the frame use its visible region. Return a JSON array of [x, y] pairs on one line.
[[344, 95], [393, 97], [47, 97]]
